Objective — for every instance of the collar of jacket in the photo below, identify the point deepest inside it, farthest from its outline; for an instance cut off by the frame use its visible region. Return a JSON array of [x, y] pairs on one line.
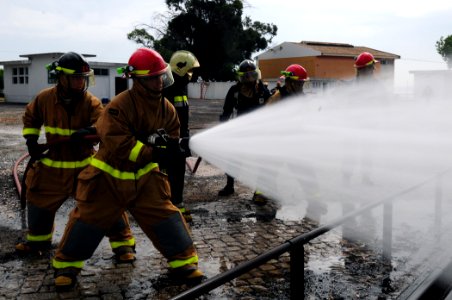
[[140, 93]]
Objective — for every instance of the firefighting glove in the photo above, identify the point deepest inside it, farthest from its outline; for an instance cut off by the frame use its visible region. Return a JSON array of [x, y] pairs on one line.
[[184, 144], [34, 148], [81, 134]]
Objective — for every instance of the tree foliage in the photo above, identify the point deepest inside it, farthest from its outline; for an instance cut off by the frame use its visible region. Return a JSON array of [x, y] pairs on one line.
[[444, 48], [214, 30]]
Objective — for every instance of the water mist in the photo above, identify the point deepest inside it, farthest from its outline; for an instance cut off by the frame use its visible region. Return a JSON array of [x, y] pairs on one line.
[[319, 154]]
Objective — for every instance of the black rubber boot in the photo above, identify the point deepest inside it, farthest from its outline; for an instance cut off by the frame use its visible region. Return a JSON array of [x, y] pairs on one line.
[[229, 188]]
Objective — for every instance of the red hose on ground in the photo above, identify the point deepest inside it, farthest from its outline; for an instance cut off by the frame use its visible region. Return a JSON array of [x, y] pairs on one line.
[[16, 176]]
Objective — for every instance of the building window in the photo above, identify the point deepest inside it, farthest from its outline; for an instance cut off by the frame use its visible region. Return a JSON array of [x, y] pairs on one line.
[[101, 72], [20, 75]]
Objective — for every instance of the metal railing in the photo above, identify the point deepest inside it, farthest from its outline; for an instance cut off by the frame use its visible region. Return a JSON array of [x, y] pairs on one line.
[[295, 246]]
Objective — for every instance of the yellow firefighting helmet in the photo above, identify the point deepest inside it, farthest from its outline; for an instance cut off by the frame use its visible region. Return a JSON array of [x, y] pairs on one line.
[[183, 62]]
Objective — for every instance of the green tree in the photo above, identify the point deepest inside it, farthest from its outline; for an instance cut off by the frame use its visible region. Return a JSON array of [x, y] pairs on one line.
[[214, 30], [444, 48]]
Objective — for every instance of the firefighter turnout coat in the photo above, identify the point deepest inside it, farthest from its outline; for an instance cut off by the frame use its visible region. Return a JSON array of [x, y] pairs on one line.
[[122, 176], [52, 179]]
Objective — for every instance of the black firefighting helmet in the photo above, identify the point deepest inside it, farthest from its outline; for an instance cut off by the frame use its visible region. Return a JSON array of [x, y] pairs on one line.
[[70, 63], [248, 72]]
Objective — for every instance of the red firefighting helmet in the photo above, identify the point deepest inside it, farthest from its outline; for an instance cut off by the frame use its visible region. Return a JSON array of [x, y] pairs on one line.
[[365, 59], [295, 72], [145, 62]]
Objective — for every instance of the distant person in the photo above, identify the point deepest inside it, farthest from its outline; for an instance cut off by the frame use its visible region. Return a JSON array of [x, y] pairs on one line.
[[365, 65], [368, 96], [182, 64], [248, 94], [294, 78], [68, 113], [139, 131], [359, 154]]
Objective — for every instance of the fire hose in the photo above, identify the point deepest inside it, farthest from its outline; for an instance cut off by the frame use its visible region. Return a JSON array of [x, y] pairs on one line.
[[20, 184]]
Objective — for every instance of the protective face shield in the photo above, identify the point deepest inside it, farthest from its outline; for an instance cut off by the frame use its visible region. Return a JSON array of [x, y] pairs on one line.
[[248, 72], [156, 83], [248, 76], [294, 86], [74, 75]]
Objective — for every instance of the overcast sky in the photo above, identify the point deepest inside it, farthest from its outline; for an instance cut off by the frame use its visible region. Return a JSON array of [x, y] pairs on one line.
[[407, 28]]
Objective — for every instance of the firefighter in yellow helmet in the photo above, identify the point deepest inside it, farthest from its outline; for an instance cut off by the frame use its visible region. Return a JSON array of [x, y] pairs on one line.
[[139, 130], [68, 112], [182, 64]]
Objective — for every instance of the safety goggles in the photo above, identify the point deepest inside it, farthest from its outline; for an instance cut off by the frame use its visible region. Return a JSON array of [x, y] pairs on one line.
[[290, 75], [248, 76]]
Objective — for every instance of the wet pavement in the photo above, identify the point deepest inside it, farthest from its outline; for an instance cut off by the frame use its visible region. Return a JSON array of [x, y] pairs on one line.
[[227, 231]]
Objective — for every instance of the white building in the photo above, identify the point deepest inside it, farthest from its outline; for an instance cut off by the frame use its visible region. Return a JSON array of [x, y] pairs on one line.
[[23, 79], [434, 84]]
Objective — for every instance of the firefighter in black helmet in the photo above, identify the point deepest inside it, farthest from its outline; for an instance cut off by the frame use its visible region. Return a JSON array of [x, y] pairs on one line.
[[67, 112], [248, 94]]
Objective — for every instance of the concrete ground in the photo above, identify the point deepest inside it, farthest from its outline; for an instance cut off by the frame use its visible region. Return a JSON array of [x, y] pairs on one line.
[[227, 231]]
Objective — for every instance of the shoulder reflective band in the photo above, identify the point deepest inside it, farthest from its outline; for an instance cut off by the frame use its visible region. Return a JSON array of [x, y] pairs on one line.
[[34, 131], [67, 264], [117, 244], [180, 101], [123, 174], [135, 151], [65, 164], [39, 238], [183, 262], [59, 131]]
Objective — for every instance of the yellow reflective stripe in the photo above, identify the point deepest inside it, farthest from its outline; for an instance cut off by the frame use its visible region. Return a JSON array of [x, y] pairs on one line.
[[118, 244], [140, 72], [180, 99], [123, 174], [135, 151], [39, 238], [59, 131], [35, 131], [65, 164], [67, 264], [183, 262]]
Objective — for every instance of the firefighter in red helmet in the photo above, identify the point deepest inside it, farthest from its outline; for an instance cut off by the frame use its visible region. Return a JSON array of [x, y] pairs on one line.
[[67, 112], [294, 78], [139, 132], [365, 65]]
